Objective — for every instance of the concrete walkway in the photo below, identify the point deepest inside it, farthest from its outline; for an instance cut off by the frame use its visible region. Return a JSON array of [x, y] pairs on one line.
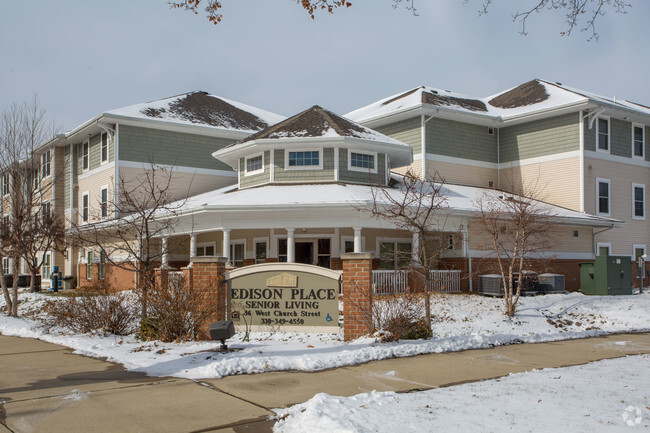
[[46, 388]]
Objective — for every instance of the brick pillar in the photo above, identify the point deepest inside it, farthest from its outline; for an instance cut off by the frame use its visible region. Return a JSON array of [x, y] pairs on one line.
[[248, 262], [188, 277], [357, 295], [336, 264], [207, 276]]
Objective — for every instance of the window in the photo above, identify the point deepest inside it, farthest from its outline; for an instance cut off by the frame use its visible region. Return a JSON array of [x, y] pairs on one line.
[[394, 255], [46, 269], [237, 254], [104, 147], [282, 250], [348, 246], [45, 164], [576, 233], [84, 207], [102, 265], [36, 179], [84, 156], [366, 162], [205, 249], [638, 201], [639, 250], [5, 265], [89, 265], [5, 184], [603, 135], [324, 252], [604, 248], [254, 165], [602, 196], [260, 251], [303, 159], [637, 141], [6, 221], [46, 212], [104, 202]]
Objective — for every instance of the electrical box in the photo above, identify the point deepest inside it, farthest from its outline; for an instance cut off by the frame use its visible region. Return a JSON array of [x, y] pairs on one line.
[[608, 275]]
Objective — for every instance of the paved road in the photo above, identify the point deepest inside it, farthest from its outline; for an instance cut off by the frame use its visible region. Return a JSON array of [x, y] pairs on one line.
[[46, 388]]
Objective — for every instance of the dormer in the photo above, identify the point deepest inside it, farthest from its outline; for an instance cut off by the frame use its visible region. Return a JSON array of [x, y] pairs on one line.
[[315, 146]]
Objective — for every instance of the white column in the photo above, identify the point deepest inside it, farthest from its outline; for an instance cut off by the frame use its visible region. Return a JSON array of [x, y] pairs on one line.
[[226, 245], [165, 252], [192, 247], [335, 247], [357, 239], [415, 248], [291, 246]]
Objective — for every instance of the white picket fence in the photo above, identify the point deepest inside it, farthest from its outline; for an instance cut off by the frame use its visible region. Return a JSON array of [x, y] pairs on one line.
[[395, 282]]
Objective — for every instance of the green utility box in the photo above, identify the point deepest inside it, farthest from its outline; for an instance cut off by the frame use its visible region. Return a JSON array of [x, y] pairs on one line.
[[607, 275]]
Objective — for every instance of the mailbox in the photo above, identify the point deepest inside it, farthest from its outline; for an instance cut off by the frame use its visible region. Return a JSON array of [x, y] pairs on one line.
[[222, 331]]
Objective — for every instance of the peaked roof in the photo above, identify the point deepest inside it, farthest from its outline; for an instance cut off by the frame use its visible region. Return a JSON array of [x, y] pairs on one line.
[[202, 108], [528, 98]]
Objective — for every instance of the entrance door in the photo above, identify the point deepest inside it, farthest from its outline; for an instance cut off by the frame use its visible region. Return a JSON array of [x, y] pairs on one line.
[[305, 252]]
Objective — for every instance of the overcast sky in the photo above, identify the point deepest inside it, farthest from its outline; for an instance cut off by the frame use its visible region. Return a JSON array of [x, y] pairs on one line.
[[84, 57]]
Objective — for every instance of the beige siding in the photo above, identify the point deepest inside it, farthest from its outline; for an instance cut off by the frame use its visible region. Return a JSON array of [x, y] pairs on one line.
[[557, 181], [93, 185], [461, 174], [621, 177]]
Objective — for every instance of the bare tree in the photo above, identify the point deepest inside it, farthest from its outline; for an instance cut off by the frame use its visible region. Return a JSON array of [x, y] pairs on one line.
[[517, 229], [28, 177], [418, 206], [144, 211]]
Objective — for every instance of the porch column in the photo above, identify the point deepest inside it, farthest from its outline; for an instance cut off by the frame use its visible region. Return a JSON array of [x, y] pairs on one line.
[[165, 252], [291, 246], [192, 248], [226, 245], [357, 239], [415, 248]]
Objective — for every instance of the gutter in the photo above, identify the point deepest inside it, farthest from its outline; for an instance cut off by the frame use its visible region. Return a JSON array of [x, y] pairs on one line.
[[593, 237]]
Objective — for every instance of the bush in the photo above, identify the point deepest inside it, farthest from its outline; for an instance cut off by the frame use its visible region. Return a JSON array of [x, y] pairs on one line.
[[400, 318], [175, 313], [112, 313]]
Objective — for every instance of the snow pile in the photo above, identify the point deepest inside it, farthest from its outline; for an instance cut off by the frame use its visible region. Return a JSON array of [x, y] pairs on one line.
[[459, 322], [550, 400]]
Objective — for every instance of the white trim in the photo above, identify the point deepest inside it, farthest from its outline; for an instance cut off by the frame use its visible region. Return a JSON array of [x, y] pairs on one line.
[[609, 134], [87, 173], [253, 172], [634, 216], [105, 187], [541, 159], [638, 246], [582, 161], [362, 169], [271, 165], [179, 169], [303, 167], [454, 160], [615, 158], [609, 197], [642, 156], [558, 255], [600, 245], [283, 267], [336, 164]]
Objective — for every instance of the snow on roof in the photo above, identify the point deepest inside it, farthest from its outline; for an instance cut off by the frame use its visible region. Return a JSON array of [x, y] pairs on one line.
[[202, 108], [318, 122], [459, 198], [533, 96]]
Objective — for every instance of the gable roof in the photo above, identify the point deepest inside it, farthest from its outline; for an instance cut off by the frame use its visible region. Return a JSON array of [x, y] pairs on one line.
[[532, 97], [201, 108]]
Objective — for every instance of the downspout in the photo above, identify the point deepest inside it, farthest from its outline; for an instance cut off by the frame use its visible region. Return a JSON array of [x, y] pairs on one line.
[[423, 150], [116, 158], [593, 236], [593, 116], [498, 161], [582, 162]]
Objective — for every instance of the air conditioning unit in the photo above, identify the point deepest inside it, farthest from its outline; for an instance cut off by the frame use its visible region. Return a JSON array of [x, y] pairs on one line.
[[551, 283], [490, 285]]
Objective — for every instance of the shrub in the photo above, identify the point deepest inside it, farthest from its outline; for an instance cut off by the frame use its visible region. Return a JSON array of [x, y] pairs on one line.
[[106, 313], [175, 313], [400, 318]]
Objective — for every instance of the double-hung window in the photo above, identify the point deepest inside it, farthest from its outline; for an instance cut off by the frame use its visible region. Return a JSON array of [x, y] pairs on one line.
[[46, 268], [638, 201], [104, 202], [603, 196], [104, 147], [603, 135], [5, 184], [46, 212], [5, 265], [45, 163], [35, 179], [303, 159], [394, 255], [237, 253], [90, 258], [260, 251], [84, 156], [84, 207], [638, 138]]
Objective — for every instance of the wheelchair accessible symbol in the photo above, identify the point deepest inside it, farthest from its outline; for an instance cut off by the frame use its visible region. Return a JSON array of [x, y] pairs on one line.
[[328, 318]]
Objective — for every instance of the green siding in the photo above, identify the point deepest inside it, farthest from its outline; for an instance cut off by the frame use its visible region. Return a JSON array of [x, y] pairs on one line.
[[67, 168], [407, 131], [460, 140], [326, 174], [170, 148], [346, 175], [256, 179], [544, 137], [95, 150], [620, 140], [590, 136]]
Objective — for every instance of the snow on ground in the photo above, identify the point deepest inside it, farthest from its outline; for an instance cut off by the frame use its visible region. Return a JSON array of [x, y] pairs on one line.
[[550, 400], [459, 322]]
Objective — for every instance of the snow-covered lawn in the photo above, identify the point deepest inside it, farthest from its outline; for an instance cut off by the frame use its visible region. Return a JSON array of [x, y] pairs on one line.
[[459, 322], [603, 396]]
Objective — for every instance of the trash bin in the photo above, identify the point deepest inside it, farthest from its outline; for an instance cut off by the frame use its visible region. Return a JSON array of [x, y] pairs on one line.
[[37, 283], [9, 280], [55, 277], [68, 282]]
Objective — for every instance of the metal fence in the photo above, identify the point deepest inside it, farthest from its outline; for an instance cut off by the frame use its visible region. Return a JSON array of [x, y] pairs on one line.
[[395, 282], [444, 281]]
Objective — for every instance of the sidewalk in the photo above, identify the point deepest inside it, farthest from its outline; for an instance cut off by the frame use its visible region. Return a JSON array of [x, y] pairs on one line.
[[46, 388]]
